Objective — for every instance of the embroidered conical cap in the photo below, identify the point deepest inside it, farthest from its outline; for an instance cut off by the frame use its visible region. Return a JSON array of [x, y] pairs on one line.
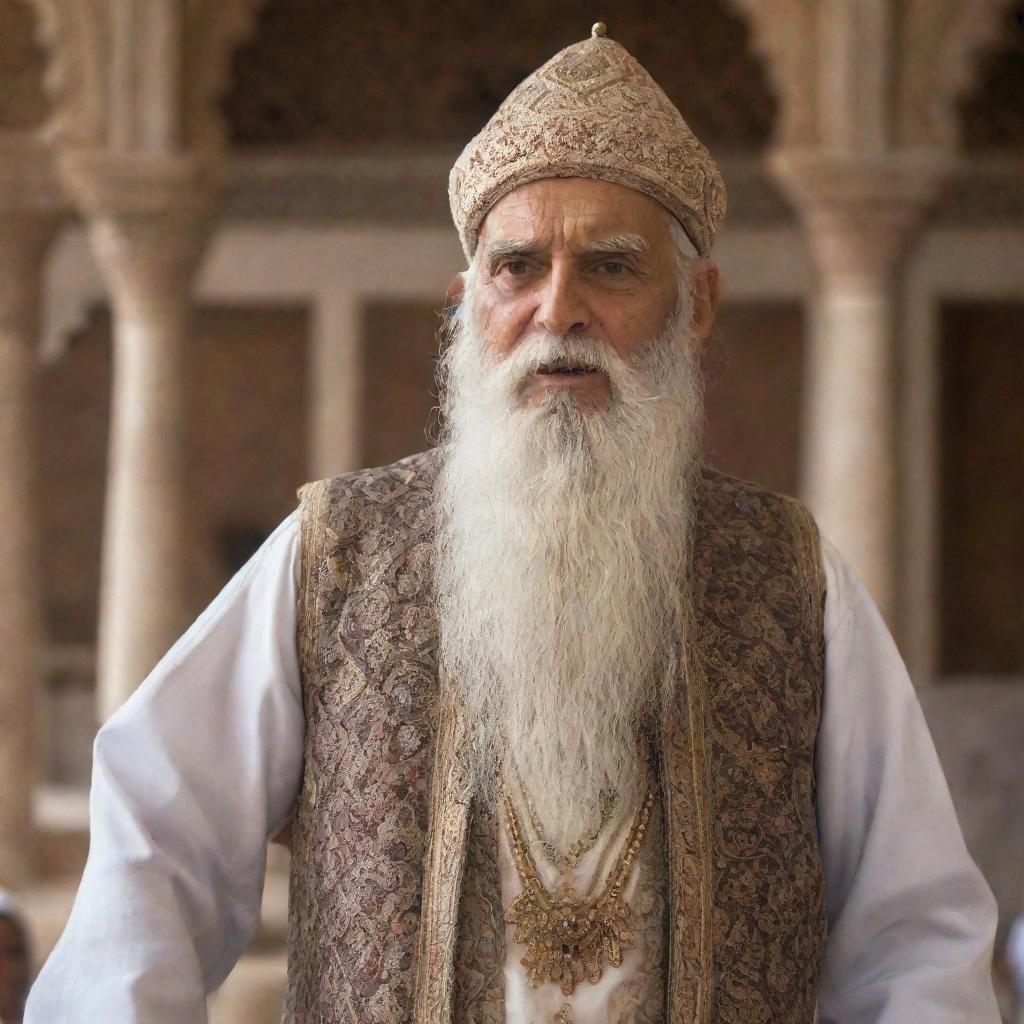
[[592, 111]]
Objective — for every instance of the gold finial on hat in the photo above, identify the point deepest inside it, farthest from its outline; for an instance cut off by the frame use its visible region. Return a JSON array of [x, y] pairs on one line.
[[599, 31]]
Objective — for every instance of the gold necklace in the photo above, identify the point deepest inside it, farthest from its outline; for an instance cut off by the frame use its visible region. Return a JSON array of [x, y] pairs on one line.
[[571, 858], [567, 941]]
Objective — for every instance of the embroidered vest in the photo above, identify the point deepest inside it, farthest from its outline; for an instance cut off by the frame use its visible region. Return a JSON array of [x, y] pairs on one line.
[[395, 909]]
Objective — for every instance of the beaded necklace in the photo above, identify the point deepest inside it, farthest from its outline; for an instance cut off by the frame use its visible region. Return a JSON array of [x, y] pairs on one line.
[[567, 940], [570, 858]]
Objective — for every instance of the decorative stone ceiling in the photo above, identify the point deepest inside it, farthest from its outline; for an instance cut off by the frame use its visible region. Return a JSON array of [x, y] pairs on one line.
[[23, 103], [322, 74], [992, 114]]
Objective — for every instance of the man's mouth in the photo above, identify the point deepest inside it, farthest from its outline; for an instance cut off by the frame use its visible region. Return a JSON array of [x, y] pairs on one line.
[[565, 368], [575, 376]]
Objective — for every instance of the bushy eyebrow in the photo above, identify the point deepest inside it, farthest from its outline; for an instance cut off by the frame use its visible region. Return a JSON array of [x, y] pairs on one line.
[[504, 247], [633, 245], [613, 245]]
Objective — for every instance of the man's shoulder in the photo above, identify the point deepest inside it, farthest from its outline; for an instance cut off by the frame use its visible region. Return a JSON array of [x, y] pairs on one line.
[[758, 534], [378, 483], [752, 521], [724, 497], [357, 501]]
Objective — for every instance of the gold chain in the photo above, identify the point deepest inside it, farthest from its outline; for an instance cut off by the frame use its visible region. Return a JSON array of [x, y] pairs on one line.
[[570, 858], [567, 941]]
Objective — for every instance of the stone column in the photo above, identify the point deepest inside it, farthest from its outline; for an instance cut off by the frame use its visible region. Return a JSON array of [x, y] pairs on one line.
[[24, 238], [860, 216], [148, 220], [335, 387]]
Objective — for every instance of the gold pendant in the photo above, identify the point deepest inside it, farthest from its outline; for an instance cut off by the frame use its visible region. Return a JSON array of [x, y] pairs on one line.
[[568, 941]]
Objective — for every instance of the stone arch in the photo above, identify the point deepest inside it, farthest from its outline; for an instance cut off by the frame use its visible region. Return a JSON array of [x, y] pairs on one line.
[[73, 33], [214, 31], [105, 68], [944, 43], [23, 101], [909, 62]]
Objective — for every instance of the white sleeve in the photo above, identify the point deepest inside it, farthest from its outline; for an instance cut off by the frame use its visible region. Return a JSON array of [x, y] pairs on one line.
[[911, 920], [190, 777]]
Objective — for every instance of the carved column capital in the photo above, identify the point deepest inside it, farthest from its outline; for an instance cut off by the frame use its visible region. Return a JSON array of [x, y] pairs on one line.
[[861, 215], [149, 219], [142, 186]]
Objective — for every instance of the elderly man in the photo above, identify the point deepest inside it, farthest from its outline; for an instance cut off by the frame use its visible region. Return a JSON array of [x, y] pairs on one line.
[[574, 729]]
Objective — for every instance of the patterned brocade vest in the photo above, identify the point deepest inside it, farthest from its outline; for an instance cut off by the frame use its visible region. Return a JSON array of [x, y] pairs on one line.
[[395, 892]]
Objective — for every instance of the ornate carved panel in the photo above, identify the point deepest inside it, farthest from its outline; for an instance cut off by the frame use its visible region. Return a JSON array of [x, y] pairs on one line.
[[411, 188], [324, 73]]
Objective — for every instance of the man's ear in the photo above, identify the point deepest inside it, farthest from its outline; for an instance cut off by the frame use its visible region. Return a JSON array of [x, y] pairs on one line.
[[452, 301], [707, 293], [454, 294]]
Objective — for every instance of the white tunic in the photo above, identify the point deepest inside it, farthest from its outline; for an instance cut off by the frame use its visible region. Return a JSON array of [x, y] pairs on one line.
[[204, 762]]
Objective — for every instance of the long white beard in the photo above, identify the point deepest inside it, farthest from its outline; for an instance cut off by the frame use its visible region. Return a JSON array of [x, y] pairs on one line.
[[563, 536]]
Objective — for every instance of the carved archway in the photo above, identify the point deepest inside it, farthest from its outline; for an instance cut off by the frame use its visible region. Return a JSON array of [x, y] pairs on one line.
[[906, 66], [139, 76]]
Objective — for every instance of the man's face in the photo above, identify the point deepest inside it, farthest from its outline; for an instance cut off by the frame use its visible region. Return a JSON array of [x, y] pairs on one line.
[[574, 257]]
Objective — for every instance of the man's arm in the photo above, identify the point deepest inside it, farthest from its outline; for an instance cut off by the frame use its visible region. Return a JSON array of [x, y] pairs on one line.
[[911, 920], [190, 777]]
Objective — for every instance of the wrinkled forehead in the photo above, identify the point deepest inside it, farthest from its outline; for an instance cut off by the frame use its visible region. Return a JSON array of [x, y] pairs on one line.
[[575, 212]]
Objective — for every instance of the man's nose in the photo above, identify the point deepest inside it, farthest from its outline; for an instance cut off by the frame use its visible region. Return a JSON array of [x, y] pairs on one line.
[[563, 308]]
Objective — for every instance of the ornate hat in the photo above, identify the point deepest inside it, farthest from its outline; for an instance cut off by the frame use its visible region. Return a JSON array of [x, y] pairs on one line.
[[592, 111]]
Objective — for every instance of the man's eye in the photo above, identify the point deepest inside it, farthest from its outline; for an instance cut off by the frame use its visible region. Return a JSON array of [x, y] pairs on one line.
[[514, 267], [613, 268]]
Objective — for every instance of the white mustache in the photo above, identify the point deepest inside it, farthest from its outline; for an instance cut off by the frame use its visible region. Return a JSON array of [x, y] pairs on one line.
[[513, 372]]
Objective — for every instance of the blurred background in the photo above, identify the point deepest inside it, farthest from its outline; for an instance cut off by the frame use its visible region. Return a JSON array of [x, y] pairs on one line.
[[224, 242]]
